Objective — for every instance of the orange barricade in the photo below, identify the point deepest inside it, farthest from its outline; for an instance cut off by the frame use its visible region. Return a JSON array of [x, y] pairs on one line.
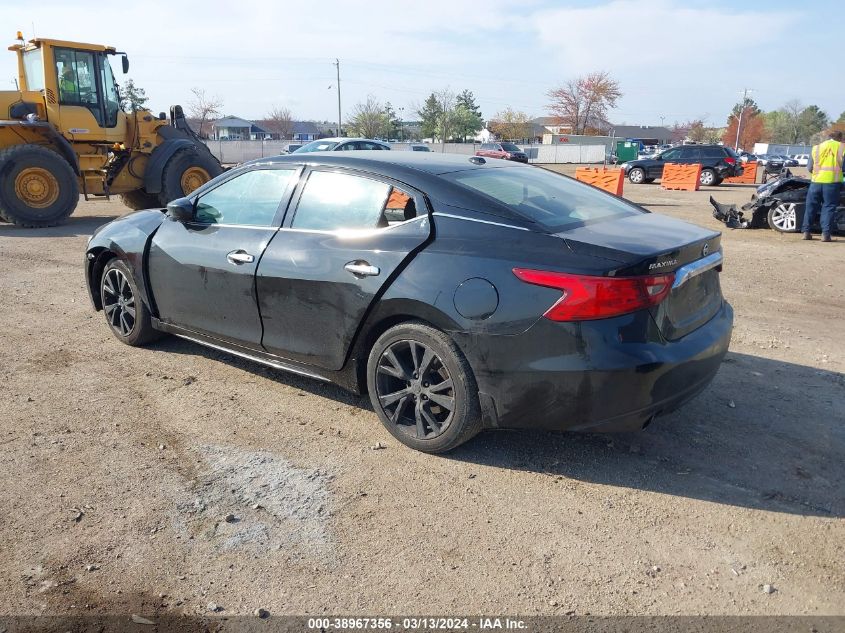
[[609, 180], [749, 174], [682, 177]]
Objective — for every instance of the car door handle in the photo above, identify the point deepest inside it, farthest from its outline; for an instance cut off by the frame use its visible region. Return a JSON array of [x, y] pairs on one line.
[[362, 269], [240, 257]]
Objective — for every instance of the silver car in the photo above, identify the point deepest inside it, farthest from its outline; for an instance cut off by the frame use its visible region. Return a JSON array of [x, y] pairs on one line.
[[340, 144]]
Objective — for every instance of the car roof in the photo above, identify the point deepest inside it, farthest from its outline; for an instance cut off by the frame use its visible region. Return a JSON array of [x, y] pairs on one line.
[[429, 162], [343, 139]]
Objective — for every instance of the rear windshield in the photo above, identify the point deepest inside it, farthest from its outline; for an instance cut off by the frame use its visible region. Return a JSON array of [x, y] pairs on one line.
[[510, 147], [317, 146], [553, 201]]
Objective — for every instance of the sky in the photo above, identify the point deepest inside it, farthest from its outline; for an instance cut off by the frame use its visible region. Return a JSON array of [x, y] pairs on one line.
[[674, 60]]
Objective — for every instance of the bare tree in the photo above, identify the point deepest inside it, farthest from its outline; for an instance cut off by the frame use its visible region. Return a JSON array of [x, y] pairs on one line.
[[583, 103], [203, 107], [368, 119], [510, 124], [280, 121], [447, 121]]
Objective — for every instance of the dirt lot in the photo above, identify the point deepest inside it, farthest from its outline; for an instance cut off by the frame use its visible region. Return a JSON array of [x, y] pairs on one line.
[[120, 467]]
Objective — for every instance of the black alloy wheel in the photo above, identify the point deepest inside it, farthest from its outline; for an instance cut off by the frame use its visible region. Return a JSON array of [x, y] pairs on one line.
[[126, 313], [119, 302], [422, 388], [415, 389]]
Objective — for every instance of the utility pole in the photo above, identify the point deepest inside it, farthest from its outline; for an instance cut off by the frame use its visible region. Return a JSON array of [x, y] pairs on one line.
[[337, 64], [741, 112]]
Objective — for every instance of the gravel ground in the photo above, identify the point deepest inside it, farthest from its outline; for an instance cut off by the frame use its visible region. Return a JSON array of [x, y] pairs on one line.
[[176, 479]]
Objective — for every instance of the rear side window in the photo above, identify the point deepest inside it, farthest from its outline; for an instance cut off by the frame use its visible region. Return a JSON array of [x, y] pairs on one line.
[[333, 201], [712, 152], [553, 201]]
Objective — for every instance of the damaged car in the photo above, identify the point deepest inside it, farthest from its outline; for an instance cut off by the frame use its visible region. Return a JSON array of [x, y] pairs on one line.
[[778, 205]]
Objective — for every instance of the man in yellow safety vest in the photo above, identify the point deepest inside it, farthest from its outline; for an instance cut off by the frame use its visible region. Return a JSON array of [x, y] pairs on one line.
[[825, 167]]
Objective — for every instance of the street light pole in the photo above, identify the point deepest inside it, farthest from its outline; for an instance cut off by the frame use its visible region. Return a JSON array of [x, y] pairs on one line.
[[337, 64], [741, 112]]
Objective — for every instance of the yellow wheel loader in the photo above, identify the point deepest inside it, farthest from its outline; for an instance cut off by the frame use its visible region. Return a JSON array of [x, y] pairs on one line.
[[63, 133]]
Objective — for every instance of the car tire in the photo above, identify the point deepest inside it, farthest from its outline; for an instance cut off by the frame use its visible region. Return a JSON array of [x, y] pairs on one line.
[[185, 171], [38, 187], [707, 178], [126, 313], [414, 374], [636, 176], [140, 199], [786, 217]]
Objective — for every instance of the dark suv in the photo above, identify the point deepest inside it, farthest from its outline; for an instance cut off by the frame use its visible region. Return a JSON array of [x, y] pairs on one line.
[[717, 163], [507, 151]]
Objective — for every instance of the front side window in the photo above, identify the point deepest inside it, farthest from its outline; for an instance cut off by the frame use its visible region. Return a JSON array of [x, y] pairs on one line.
[[690, 153], [672, 154], [333, 201], [33, 68], [251, 199], [551, 200], [77, 75], [112, 99]]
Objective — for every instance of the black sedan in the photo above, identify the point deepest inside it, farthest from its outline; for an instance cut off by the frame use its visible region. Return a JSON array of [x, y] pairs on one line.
[[461, 293]]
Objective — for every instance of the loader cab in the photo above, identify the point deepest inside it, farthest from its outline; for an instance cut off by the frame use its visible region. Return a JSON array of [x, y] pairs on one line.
[[86, 80], [79, 88]]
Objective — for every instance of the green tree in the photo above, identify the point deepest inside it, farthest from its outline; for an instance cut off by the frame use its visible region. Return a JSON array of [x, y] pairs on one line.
[[510, 124], [811, 121], [841, 118], [368, 119], [430, 114], [748, 106], [470, 121], [132, 98], [394, 123]]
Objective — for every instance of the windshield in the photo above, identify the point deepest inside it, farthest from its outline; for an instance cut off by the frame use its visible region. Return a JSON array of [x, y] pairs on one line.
[[33, 68], [549, 199], [510, 147], [316, 146]]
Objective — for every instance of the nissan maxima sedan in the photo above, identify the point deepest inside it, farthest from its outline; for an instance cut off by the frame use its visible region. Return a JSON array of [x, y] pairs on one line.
[[461, 293]]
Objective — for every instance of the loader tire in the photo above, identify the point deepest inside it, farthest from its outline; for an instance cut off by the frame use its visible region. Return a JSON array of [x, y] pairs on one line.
[[186, 170], [140, 199], [37, 186]]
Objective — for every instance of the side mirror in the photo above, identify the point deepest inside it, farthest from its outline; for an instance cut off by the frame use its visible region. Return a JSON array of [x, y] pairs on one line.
[[125, 64], [181, 210]]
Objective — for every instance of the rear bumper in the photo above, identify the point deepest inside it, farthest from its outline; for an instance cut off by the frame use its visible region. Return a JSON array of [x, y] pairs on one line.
[[591, 375]]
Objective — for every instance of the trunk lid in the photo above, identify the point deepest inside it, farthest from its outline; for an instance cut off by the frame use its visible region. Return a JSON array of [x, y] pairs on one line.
[[649, 244]]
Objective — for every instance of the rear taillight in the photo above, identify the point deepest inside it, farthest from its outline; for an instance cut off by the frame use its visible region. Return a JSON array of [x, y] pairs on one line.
[[586, 297], [730, 161]]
